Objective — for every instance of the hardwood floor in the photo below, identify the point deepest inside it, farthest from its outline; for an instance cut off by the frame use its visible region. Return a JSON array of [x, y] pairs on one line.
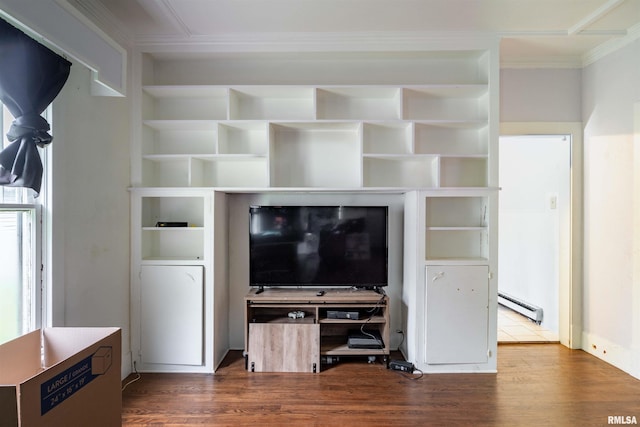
[[536, 385]]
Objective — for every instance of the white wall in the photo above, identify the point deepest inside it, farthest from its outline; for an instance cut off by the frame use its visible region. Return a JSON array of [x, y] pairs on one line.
[[540, 95], [90, 209], [611, 87]]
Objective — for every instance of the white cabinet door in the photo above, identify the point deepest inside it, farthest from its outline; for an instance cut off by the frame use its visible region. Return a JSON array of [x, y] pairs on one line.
[[457, 314], [172, 315]]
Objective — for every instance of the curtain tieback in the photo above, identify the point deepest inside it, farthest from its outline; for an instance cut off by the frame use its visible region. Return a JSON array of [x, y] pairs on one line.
[[32, 126]]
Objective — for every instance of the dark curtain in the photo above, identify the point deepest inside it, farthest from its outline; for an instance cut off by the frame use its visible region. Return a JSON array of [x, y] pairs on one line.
[[31, 76]]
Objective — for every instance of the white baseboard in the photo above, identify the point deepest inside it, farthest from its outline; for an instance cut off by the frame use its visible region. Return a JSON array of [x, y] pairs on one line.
[[126, 367], [625, 359]]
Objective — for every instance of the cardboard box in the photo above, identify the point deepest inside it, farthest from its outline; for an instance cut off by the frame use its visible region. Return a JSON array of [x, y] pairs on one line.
[[62, 377]]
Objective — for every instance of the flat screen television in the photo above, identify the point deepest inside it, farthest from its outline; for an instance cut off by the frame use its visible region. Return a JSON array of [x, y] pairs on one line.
[[330, 246]]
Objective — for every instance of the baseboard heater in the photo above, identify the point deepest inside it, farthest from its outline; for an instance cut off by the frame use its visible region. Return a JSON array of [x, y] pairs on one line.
[[531, 311]]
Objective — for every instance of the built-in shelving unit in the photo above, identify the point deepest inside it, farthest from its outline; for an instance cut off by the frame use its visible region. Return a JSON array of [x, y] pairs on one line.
[[172, 284], [424, 136], [421, 124]]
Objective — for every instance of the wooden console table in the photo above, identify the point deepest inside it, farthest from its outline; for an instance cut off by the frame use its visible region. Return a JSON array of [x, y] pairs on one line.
[[316, 331]]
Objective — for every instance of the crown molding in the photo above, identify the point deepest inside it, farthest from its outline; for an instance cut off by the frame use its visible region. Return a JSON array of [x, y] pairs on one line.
[[604, 49], [372, 41], [105, 20], [317, 42], [541, 62], [163, 11]]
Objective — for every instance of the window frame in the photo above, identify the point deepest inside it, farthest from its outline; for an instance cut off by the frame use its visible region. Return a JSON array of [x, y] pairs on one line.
[[39, 210], [34, 295]]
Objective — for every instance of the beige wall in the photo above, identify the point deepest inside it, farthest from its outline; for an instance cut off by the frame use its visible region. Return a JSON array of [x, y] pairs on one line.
[[90, 209], [610, 90]]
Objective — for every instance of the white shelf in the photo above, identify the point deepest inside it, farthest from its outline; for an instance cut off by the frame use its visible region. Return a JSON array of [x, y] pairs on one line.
[[185, 103], [448, 90], [446, 103], [391, 137], [188, 228], [400, 157], [243, 138], [210, 125], [186, 91], [451, 138], [463, 172], [232, 170], [177, 138], [323, 154], [460, 211], [359, 103], [457, 261], [172, 261], [206, 157], [272, 103], [165, 208], [456, 228], [456, 244], [401, 171], [171, 244]]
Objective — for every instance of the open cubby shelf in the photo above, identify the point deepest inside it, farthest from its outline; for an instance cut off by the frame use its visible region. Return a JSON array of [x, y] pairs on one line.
[[315, 136]]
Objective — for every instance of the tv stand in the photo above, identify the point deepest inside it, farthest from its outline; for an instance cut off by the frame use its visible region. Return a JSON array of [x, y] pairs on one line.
[[279, 339]]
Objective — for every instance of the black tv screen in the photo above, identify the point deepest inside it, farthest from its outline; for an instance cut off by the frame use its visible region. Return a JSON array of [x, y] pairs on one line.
[[318, 246]]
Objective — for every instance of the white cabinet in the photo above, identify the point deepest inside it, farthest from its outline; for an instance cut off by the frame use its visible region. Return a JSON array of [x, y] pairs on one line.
[[171, 316], [457, 314]]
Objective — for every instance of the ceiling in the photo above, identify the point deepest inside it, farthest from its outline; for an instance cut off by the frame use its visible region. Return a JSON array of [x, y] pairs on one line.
[[532, 32]]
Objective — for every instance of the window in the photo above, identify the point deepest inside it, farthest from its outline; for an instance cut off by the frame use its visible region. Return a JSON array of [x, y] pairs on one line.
[[17, 277], [20, 252]]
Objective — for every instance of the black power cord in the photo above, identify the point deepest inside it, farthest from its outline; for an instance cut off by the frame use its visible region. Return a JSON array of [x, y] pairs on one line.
[[402, 367]]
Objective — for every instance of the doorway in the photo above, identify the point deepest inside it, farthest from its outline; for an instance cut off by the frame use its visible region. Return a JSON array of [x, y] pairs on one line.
[[534, 236]]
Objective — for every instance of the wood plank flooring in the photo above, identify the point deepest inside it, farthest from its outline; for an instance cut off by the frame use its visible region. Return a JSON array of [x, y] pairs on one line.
[[537, 385]]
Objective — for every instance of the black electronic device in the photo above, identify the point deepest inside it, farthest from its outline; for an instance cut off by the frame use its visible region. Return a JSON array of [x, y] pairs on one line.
[[172, 224], [337, 246], [342, 314], [365, 339], [401, 365]]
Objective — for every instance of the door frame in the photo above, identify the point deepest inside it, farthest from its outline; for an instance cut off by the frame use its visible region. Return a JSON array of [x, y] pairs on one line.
[[570, 300]]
